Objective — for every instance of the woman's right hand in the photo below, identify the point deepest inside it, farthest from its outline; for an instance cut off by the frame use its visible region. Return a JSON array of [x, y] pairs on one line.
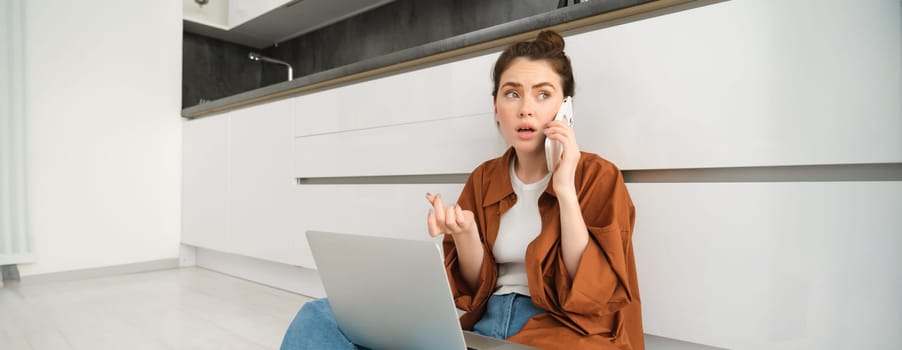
[[449, 220]]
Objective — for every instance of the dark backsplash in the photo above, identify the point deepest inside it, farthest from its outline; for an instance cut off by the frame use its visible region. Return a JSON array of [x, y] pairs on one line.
[[213, 69]]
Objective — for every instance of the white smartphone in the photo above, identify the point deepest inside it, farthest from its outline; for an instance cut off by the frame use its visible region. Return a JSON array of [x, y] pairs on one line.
[[553, 149]]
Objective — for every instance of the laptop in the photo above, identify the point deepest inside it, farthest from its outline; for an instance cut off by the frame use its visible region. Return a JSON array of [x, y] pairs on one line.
[[389, 293]]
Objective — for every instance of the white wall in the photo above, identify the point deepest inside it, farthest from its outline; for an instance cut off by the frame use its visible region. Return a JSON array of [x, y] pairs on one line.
[[103, 87]]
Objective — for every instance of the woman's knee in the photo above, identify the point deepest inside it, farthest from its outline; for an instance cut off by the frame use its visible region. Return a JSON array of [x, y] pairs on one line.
[[318, 306], [315, 327], [317, 309]]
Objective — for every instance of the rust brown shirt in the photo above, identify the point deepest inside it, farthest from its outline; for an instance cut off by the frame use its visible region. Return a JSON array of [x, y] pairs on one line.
[[599, 307]]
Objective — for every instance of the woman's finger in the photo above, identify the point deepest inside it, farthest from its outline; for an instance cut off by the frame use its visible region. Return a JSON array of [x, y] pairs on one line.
[[558, 137], [431, 225], [439, 209], [557, 124], [558, 129], [451, 220], [565, 137], [463, 220]]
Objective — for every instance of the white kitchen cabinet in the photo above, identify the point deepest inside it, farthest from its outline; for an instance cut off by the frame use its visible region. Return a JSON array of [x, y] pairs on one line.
[[238, 183], [241, 11], [260, 198], [744, 265], [770, 265], [454, 90], [205, 181], [743, 83], [262, 23], [447, 146]]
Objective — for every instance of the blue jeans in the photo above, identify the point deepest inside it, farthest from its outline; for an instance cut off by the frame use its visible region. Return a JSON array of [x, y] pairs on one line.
[[314, 327], [505, 315]]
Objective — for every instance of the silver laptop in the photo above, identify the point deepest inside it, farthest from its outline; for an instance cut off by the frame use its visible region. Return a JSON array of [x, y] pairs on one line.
[[390, 293]]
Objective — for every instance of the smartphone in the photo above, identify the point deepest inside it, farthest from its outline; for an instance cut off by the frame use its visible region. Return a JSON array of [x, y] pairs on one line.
[[553, 149]]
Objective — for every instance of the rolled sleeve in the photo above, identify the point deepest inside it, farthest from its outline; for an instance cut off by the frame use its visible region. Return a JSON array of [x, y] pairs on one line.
[[602, 274], [600, 286], [591, 301], [466, 298]]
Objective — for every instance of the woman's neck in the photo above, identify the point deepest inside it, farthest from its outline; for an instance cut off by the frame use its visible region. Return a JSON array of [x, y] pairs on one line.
[[530, 168]]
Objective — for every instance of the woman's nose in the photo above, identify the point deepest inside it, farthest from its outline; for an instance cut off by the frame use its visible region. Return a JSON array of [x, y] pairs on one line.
[[526, 109]]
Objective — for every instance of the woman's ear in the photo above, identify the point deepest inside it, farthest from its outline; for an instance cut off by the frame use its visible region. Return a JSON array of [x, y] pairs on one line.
[[495, 108]]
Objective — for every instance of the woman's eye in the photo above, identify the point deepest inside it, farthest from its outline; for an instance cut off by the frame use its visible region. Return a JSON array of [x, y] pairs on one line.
[[512, 94], [544, 95]]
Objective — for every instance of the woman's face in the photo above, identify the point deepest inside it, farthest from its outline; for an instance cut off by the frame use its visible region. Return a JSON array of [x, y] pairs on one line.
[[528, 97]]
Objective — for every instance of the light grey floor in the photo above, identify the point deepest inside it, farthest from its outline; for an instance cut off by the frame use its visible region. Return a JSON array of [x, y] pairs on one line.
[[188, 308]]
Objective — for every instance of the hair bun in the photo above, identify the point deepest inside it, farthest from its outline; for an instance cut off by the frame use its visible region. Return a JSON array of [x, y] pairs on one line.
[[550, 41], [548, 45]]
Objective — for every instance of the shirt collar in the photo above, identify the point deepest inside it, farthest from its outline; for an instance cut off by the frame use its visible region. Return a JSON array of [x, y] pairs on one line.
[[500, 187]]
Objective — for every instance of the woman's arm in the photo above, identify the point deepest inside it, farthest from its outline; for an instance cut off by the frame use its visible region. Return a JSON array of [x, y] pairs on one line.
[[574, 234], [470, 255], [600, 282]]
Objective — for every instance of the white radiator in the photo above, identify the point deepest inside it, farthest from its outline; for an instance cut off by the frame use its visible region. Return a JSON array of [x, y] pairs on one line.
[[15, 245]]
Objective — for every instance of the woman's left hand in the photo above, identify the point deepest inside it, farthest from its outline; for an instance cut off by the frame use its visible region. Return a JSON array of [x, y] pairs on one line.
[[565, 169]]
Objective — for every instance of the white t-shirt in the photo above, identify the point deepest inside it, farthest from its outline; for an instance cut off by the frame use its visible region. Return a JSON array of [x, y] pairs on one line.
[[519, 226]]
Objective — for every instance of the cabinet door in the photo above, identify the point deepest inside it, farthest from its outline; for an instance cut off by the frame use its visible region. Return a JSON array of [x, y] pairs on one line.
[[406, 149], [261, 183], [205, 181], [244, 10]]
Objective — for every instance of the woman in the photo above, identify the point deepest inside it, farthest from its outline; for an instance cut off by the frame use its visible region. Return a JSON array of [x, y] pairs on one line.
[[537, 256], [547, 265]]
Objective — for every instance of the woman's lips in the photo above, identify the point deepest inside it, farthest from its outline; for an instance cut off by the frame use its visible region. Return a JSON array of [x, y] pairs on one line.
[[525, 133]]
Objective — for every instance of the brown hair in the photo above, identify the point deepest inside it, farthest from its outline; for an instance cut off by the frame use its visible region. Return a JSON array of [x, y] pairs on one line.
[[548, 45]]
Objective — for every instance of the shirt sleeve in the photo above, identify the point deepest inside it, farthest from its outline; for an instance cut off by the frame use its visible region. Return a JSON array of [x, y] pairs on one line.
[[601, 285], [465, 297]]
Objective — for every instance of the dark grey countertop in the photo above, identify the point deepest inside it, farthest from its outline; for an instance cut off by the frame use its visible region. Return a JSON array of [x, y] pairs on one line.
[[567, 18]]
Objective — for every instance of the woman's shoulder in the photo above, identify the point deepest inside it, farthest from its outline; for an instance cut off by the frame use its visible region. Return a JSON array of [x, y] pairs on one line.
[[591, 162], [597, 176]]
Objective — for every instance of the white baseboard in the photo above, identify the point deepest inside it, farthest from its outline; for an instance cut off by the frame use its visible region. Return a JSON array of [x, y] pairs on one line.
[[288, 277], [14, 259], [145, 266], [187, 255], [653, 342]]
